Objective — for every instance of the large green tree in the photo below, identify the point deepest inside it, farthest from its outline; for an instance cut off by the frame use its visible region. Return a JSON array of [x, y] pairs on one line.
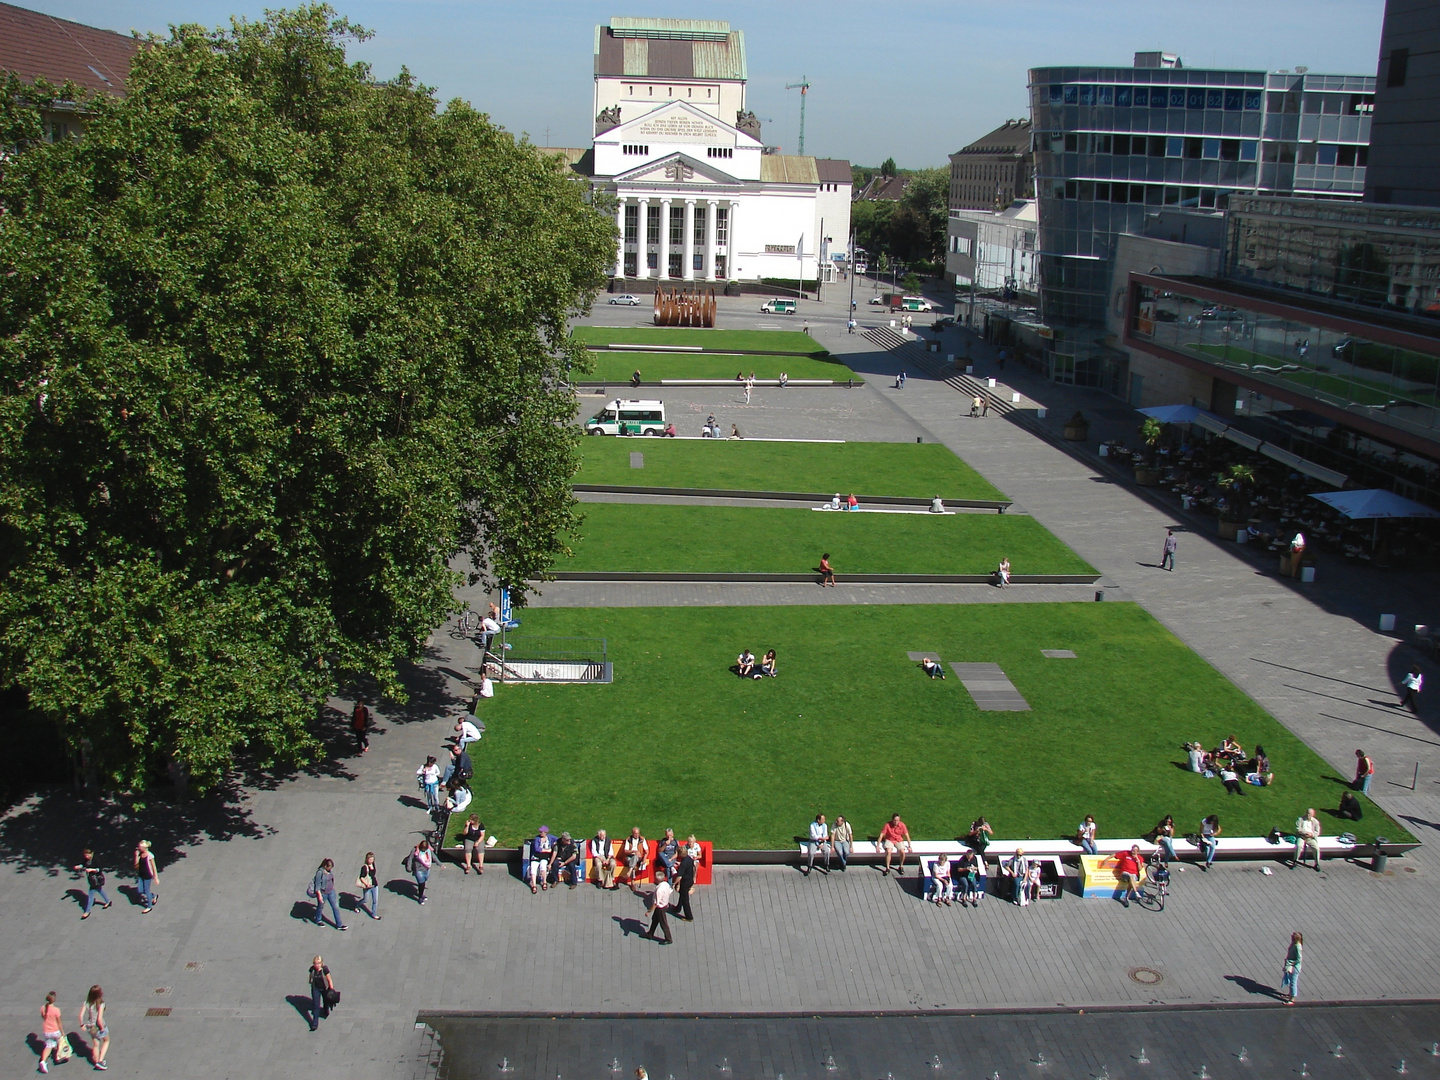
[[278, 342]]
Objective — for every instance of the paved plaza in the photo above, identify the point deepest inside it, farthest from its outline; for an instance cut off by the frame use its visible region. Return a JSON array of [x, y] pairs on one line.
[[212, 982]]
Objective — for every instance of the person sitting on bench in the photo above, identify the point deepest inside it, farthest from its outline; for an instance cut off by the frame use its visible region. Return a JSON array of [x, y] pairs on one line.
[[942, 883], [634, 852], [767, 665], [932, 668], [745, 663], [1002, 573], [567, 861], [540, 850], [1130, 869], [966, 872]]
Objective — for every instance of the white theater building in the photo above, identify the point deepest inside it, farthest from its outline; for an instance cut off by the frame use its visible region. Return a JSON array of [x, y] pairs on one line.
[[697, 197]]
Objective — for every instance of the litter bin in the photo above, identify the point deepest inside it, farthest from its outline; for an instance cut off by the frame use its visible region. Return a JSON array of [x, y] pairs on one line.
[[1379, 862], [1099, 594]]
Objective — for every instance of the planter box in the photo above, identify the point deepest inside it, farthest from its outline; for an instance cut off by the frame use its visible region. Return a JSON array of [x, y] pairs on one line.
[[1147, 477], [1228, 529], [1077, 432]]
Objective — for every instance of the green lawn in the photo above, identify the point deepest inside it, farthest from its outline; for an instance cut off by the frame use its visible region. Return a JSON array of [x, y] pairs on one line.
[[915, 470], [793, 342], [772, 540], [851, 726], [616, 367]]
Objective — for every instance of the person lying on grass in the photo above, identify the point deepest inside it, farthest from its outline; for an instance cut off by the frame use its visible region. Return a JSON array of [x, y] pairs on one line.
[[932, 668]]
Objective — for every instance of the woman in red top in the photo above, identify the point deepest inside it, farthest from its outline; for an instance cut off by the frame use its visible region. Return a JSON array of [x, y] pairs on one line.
[[50, 1030], [827, 575]]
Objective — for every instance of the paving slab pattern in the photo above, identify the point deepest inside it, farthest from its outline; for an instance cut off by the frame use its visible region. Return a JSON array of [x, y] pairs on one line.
[[990, 687]]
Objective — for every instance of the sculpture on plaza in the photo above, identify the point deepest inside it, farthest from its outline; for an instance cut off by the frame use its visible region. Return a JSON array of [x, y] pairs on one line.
[[684, 307]]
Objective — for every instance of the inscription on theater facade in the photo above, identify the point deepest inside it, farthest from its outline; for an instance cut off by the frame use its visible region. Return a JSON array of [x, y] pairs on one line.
[[685, 128]]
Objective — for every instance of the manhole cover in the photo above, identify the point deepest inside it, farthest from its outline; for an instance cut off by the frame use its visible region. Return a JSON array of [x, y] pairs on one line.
[[1409, 869], [162, 991], [1146, 976], [157, 1012], [194, 965]]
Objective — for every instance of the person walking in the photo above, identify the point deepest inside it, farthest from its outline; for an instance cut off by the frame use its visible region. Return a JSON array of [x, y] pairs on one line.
[[684, 883], [146, 875], [360, 725], [368, 881], [429, 775], [819, 841], [50, 1031], [322, 992], [322, 888], [1364, 773], [92, 1022], [473, 837], [827, 572], [1294, 956], [841, 837], [1412, 683], [420, 862], [1167, 552], [94, 882], [659, 906]]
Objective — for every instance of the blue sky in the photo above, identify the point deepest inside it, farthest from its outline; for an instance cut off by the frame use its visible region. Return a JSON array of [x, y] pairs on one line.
[[914, 80]]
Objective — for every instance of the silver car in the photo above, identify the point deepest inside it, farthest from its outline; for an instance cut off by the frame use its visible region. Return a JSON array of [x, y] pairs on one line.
[[627, 299]]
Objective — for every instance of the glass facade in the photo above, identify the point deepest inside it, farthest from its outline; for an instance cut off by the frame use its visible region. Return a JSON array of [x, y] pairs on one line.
[[1389, 385], [1113, 144]]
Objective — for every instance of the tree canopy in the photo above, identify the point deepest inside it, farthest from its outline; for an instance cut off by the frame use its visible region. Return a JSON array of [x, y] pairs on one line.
[[278, 342], [911, 228]]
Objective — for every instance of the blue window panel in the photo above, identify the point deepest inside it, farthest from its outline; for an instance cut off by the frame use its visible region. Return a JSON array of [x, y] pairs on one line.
[[1252, 100], [1142, 97], [1211, 148], [1122, 97], [1177, 98], [1056, 90], [1233, 100], [1174, 147], [1214, 99], [1072, 95], [1194, 99], [1247, 150], [1105, 95], [1157, 98], [1325, 154], [1087, 95]]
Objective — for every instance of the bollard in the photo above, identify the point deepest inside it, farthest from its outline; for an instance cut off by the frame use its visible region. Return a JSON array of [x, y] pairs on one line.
[[919, 439], [1099, 594], [1378, 863]]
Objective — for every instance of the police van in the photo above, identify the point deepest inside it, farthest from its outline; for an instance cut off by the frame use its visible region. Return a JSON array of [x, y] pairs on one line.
[[621, 417]]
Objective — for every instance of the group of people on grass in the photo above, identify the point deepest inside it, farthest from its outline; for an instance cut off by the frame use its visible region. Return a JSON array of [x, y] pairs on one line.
[[1229, 762], [745, 665]]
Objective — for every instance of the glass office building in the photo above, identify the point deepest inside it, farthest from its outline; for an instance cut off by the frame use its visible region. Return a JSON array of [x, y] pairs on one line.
[[1115, 144]]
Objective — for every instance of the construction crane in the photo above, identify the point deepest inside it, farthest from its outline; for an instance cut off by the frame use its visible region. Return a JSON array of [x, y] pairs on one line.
[[803, 86]]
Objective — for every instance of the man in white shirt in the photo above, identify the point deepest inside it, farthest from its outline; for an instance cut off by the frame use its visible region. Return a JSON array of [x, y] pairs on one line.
[[487, 688], [1307, 835], [488, 629], [819, 838], [466, 733], [660, 904], [1017, 867]]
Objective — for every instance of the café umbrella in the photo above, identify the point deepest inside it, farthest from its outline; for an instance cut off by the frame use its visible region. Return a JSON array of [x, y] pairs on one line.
[[1374, 504]]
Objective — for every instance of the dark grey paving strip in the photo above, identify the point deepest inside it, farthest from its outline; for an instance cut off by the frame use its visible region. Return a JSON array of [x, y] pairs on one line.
[[989, 686], [1058, 654]]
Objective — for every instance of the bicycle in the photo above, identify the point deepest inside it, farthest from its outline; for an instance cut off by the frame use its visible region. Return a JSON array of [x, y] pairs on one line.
[[1155, 888], [469, 621]]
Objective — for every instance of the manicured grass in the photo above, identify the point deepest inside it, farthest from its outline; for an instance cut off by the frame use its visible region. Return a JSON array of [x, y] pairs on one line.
[[914, 470], [616, 367], [770, 540], [793, 342], [851, 726]]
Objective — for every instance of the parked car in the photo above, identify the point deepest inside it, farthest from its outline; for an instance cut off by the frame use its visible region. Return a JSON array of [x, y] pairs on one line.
[[915, 303], [1343, 348], [878, 300], [628, 299], [943, 322], [778, 307]]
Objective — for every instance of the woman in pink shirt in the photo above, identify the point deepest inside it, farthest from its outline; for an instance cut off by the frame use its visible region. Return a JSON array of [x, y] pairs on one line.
[[50, 1030]]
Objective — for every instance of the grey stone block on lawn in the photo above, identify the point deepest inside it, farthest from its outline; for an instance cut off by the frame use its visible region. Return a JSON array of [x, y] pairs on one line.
[[1058, 654], [990, 687]]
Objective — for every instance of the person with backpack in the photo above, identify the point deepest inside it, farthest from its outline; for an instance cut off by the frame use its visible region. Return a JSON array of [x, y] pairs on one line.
[[94, 882], [323, 995], [418, 863], [360, 725], [322, 888]]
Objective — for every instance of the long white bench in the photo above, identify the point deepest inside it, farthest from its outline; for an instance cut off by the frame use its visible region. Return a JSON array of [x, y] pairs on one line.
[[1228, 847]]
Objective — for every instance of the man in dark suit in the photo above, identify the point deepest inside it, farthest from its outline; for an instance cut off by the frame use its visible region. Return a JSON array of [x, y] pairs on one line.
[[685, 883]]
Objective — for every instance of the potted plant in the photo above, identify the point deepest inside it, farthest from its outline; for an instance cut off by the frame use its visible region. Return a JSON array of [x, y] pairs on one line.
[[1077, 428], [1235, 480], [1146, 474]]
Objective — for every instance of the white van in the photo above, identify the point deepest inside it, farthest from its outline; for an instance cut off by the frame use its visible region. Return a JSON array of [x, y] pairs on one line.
[[621, 417]]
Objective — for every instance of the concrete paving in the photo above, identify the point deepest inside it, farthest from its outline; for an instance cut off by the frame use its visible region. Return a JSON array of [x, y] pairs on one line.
[[225, 950]]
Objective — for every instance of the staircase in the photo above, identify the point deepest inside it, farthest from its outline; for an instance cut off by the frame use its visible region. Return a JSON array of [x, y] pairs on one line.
[[913, 353]]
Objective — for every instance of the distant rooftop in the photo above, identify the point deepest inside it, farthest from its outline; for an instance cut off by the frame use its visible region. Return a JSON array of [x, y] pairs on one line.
[[788, 169], [833, 170], [1011, 137], [36, 46], [670, 49]]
